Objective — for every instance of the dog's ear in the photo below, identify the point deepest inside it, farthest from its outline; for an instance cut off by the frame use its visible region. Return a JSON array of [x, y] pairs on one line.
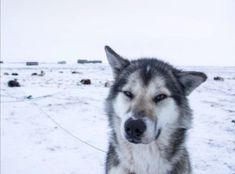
[[116, 62], [191, 80]]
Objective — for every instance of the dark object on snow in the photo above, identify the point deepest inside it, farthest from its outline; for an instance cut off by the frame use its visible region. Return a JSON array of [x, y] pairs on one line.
[[218, 78], [34, 74], [86, 81], [29, 97], [14, 74], [1, 61], [75, 72], [31, 63], [42, 73], [61, 62], [6, 74], [61, 72], [233, 121], [88, 61], [13, 83]]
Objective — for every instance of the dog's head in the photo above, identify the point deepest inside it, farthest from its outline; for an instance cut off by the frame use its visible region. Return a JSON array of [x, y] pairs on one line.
[[149, 96]]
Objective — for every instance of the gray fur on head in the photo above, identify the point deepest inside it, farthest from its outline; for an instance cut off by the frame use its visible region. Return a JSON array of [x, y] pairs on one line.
[[189, 79]]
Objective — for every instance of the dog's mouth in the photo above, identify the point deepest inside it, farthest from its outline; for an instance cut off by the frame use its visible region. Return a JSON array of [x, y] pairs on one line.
[[134, 141], [158, 134]]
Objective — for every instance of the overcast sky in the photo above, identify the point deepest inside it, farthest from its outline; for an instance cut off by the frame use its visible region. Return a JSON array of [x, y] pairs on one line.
[[183, 32]]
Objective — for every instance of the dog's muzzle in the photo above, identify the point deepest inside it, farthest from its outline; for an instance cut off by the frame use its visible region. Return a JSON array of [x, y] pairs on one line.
[[134, 129]]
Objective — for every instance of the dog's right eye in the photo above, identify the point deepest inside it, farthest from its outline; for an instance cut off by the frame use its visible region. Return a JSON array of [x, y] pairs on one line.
[[128, 94], [159, 97]]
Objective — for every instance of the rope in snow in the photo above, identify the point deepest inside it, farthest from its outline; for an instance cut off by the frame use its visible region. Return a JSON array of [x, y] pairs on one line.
[[18, 99], [55, 122], [66, 130]]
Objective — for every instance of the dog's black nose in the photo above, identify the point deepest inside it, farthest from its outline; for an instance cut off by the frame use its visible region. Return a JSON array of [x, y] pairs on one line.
[[134, 129]]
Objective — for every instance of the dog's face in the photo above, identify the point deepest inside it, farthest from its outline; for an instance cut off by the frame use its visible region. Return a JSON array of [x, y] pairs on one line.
[[144, 108], [147, 96]]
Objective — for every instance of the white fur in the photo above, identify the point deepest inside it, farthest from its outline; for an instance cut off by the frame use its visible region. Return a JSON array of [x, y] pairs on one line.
[[147, 160], [117, 170], [150, 132], [142, 158]]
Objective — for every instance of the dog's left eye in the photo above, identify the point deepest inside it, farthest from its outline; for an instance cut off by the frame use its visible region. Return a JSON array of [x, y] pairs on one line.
[[159, 97], [128, 94]]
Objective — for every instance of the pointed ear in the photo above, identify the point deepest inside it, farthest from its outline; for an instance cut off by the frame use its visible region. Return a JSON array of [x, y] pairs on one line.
[[191, 80], [116, 62]]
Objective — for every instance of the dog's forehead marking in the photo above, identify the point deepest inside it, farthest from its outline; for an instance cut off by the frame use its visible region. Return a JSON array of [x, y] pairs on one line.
[[136, 85], [157, 86], [148, 68]]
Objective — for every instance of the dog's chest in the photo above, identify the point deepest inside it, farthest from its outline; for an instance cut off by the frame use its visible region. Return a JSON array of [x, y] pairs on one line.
[[145, 160]]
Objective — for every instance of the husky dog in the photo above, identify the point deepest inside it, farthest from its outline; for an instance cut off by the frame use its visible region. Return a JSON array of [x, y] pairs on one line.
[[149, 116]]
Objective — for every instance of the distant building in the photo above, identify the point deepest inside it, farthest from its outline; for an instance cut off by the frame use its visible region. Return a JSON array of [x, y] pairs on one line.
[[88, 61], [82, 61], [32, 63], [95, 61], [61, 62]]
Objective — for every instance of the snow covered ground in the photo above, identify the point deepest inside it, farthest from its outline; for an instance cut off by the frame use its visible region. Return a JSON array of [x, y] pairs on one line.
[[53, 131]]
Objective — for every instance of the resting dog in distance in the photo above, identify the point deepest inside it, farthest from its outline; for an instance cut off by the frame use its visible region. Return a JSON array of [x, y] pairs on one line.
[[149, 116]]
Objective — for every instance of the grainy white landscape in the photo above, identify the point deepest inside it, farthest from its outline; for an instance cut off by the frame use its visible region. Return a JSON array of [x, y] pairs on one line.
[[48, 121]]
